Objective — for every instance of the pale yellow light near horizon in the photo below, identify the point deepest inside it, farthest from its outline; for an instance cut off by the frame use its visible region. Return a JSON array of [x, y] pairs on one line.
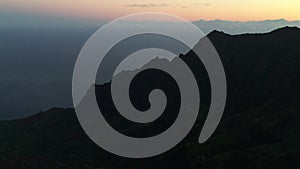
[[243, 10]]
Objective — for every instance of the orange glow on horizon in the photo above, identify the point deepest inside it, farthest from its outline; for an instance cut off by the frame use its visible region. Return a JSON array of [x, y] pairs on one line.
[[247, 10]]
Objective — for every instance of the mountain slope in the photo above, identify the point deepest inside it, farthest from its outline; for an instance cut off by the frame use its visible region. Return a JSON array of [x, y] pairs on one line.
[[260, 127]]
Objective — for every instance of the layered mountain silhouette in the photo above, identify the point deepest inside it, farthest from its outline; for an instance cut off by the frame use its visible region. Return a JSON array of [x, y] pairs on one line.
[[260, 127], [236, 27]]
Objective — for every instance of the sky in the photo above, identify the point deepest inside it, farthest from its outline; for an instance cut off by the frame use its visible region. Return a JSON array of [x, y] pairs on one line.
[[243, 10]]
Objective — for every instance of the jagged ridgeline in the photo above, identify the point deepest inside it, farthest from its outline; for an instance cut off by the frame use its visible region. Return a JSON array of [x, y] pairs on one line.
[[260, 127]]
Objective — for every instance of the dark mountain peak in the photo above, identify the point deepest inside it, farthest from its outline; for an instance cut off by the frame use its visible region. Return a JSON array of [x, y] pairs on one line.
[[287, 35], [287, 29], [284, 30], [280, 33], [217, 33]]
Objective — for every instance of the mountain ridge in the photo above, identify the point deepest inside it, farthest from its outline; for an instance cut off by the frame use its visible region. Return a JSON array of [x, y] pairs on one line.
[[260, 126], [281, 29]]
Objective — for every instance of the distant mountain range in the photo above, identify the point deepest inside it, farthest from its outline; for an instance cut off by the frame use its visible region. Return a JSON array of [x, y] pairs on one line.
[[260, 127], [28, 20], [237, 27]]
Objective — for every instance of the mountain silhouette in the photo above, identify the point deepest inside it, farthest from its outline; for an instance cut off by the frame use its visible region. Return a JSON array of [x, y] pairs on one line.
[[237, 27], [259, 129]]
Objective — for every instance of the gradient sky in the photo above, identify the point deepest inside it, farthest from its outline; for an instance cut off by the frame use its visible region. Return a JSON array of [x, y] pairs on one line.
[[243, 10]]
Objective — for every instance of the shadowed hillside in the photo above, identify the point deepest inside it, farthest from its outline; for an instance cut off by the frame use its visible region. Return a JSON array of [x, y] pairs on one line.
[[260, 127]]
